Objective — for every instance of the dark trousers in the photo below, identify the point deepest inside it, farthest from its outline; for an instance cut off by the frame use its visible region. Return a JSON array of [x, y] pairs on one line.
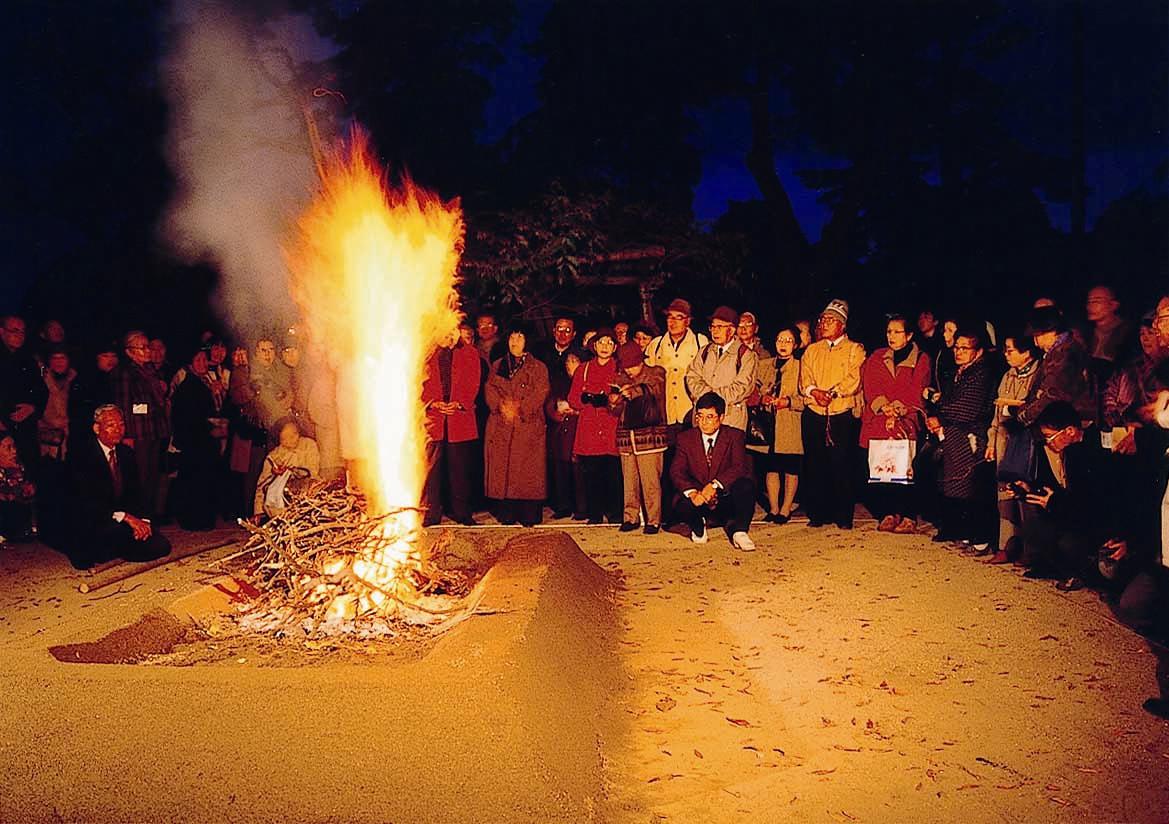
[[568, 492], [450, 465], [527, 512], [1061, 549], [15, 519], [733, 506], [116, 540], [603, 489], [148, 458], [828, 469], [195, 491], [892, 499]]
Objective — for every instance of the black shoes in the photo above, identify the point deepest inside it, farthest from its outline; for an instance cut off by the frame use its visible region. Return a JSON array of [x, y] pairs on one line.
[[626, 526], [776, 518], [815, 524], [652, 529]]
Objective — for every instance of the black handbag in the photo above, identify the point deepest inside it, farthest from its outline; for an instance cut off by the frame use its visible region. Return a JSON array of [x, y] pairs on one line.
[[1020, 459], [760, 426]]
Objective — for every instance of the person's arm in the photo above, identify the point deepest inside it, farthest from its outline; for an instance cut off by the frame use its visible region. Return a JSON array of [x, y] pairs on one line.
[[739, 466], [576, 389], [696, 385], [680, 472], [850, 384]]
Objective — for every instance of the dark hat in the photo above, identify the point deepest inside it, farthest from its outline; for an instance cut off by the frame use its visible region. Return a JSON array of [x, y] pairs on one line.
[[680, 306], [629, 354], [1045, 319], [603, 332], [726, 314]]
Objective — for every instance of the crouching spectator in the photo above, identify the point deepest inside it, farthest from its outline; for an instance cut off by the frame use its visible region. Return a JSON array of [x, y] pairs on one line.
[[106, 498], [16, 494], [640, 404], [1068, 513], [713, 474], [295, 458]]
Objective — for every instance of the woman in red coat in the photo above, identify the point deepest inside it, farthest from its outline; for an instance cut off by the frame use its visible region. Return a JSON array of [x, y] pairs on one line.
[[450, 391], [893, 379], [593, 390]]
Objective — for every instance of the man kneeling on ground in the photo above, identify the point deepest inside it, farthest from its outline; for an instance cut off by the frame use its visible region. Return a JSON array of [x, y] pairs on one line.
[[105, 496], [711, 469]]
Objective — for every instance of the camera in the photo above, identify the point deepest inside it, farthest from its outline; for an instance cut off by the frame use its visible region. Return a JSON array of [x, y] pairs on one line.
[[597, 399]]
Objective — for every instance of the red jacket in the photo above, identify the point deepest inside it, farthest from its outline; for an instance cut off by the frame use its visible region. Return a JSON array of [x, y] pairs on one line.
[[884, 383], [596, 433], [459, 426]]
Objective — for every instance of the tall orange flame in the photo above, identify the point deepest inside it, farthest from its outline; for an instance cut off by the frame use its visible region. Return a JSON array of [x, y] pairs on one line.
[[374, 272]]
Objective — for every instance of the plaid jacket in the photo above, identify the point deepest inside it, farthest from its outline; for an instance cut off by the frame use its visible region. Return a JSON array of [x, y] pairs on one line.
[[141, 395]]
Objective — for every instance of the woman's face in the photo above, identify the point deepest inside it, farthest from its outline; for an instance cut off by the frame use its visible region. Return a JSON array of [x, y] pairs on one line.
[[642, 339], [949, 329], [1148, 340], [785, 343], [966, 351], [896, 335], [805, 333], [1015, 356], [604, 347], [8, 452], [199, 363], [466, 334], [289, 436], [516, 343]]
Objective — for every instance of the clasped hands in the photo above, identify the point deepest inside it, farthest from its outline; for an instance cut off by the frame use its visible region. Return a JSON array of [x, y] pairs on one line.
[[772, 402], [139, 527], [446, 407], [707, 496]]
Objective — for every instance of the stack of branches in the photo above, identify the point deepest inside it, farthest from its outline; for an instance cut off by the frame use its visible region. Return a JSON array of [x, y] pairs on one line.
[[302, 569]]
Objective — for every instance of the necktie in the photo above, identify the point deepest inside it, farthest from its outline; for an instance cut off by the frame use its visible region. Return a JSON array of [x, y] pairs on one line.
[[709, 450], [115, 475], [720, 352]]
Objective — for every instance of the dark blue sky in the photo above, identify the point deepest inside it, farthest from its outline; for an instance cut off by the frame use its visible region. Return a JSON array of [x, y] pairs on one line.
[[1127, 83]]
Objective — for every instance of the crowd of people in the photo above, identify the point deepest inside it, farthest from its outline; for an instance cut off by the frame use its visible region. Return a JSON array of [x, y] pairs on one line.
[[1043, 446]]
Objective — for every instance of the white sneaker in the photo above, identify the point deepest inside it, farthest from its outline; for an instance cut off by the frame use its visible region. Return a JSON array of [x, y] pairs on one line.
[[743, 541], [699, 537]]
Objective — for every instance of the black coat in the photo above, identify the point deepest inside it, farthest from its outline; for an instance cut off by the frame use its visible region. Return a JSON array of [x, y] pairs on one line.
[[93, 501]]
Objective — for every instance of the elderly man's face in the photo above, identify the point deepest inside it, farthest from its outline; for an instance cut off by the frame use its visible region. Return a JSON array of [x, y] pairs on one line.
[[54, 332], [487, 328], [677, 323], [829, 326], [1045, 340], [265, 352], [721, 331], [642, 339], [563, 331], [157, 352], [13, 333], [106, 361], [110, 428], [748, 329], [138, 349], [58, 363]]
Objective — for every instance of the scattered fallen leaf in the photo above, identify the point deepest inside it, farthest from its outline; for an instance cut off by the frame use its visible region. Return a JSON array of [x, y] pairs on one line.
[[740, 722], [824, 772], [699, 753], [665, 703]]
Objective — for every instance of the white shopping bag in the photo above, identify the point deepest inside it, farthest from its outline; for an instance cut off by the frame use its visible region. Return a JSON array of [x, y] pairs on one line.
[[274, 497], [891, 461]]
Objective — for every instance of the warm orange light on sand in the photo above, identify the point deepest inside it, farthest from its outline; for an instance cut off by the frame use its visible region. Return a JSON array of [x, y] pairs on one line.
[[373, 272]]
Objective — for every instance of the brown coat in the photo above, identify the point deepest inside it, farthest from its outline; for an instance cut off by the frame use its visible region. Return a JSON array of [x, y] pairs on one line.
[[514, 453]]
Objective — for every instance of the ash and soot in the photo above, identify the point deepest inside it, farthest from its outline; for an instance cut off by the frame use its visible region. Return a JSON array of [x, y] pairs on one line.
[[373, 272]]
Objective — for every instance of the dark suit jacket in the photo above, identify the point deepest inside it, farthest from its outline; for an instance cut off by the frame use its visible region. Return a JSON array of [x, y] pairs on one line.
[[93, 501], [728, 463]]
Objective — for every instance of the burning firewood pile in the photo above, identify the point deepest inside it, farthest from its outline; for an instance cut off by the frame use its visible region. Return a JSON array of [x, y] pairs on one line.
[[325, 566]]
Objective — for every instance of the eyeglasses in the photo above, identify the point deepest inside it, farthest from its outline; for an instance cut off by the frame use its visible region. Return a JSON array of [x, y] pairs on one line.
[[722, 326], [563, 329], [960, 348], [677, 317], [707, 416]]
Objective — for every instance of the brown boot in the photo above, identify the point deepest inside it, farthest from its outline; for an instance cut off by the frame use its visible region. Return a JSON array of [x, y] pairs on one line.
[[906, 526]]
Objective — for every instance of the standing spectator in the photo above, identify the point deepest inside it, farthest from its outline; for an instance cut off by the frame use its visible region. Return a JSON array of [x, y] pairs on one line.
[[93, 387], [830, 381], [162, 366], [568, 486], [1108, 337], [294, 459], [675, 351], [596, 433], [640, 406], [621, 331], [491, 346], [778, 379], [749, 335], [449, 391], [724, 366], [261, 391], [16, 495], [713, 475], [928, 339], [141, 397], [107, 517], [643, 335], [53, 426], [894, 378], [196, 415], [1023, 365], [1065, 373], [563, 343], [22, 392], [944, 366], [514, 470], [961, 424]]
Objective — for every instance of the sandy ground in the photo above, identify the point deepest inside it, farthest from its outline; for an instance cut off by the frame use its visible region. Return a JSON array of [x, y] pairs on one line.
[[829, 676]]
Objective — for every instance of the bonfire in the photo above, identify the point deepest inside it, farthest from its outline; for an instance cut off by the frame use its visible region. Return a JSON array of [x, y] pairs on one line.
[[373, 272]]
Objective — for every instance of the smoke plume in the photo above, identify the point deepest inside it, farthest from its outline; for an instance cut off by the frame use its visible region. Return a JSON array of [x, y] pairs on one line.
[[238, 145]]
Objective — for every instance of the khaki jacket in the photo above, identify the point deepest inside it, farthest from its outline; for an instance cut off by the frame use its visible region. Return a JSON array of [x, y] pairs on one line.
[[675, 360]]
